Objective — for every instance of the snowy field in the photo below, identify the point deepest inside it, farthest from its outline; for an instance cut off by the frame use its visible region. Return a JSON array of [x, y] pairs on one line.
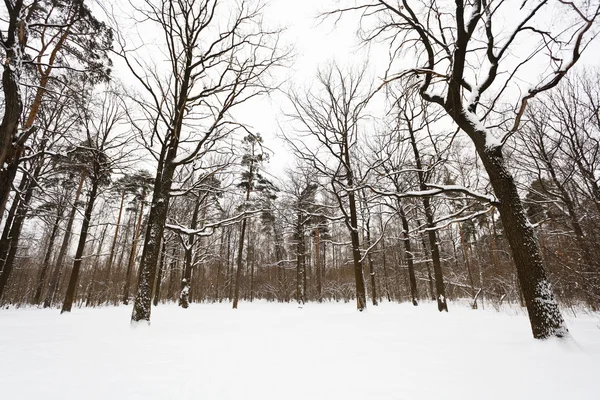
[[279, 351]]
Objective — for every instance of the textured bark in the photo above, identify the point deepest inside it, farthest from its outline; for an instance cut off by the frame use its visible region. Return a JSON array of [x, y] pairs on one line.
[[152, 242], [544, 314], [131, 262], [361, 297], [13, 107], [184, 296]]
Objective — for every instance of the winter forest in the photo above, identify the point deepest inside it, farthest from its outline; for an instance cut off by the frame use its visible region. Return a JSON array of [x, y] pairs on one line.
[[364, 181]]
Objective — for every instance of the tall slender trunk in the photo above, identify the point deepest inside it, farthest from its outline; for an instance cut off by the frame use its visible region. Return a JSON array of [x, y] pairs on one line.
[[95, 269], [111, 256], [431, 232], [371, 266], [318, 265], [15, 229], [54, 282], [74, 279], [131, 262], [468, 265], [184, 296], [300, 260], [239, 263], [414, 292], [5, 240], [46, 263], [161, 270]]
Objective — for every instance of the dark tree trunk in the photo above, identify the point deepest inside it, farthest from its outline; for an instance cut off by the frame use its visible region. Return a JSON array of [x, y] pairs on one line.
[[318, 265], [371, 266], [300, 260], [239, 263], [13, 107], [37, 298], [544, 314], [55, 281], [414, 293], [90, 301], [111, 256], [153, 239], [5, 240], [15, 231], [186, 282], [431, 232], [74, 279], [131, 262], [161, 270], [468, 265]]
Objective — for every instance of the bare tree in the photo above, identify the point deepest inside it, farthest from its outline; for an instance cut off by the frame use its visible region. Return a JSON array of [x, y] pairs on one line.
[[330, 116], [465, 66], [213, 65]]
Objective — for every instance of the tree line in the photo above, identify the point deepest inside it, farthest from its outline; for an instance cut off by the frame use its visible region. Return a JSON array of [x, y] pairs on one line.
[[443, 180]]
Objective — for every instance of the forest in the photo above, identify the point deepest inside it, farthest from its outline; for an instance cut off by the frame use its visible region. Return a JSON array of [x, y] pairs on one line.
[[466, 168]]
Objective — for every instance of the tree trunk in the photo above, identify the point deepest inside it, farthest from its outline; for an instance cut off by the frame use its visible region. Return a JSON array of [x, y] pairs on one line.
[[161, 270], [544, 314], [468, 265], [73, 281], [5, 240], [54, 282], [153, 240], [186, 282], [15, 230], [13, 107], [431, 233], [111, 256], [131, 262], [239, 262], [37, 298], [318, 265], [300, 250], [414, 293], [371, 266], [95, 269]]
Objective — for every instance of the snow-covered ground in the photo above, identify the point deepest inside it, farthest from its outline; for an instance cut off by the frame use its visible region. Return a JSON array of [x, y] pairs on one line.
[[279, 351]]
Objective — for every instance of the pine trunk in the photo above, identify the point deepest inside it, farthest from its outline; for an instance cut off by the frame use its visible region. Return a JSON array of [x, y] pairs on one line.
[[74, 279]]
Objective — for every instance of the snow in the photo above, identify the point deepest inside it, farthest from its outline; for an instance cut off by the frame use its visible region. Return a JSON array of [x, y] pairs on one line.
[[279, 351]]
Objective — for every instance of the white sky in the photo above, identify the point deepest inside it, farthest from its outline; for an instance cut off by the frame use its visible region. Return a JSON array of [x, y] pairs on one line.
[[315, 44]]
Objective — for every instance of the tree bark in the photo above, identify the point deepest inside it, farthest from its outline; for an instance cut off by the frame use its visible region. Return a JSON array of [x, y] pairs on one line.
[[54, 282], [184, 296], [544, 314], [37, 298], [74, 279], [414, 293], [131, 262]]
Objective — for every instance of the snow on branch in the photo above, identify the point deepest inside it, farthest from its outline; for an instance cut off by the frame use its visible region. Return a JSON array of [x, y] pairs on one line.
[[209, 229]]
